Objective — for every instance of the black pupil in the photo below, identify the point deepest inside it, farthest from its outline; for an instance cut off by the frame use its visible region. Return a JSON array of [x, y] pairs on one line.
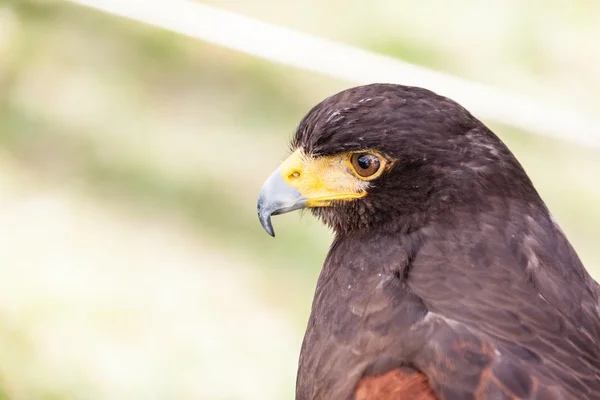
[[364, 162]]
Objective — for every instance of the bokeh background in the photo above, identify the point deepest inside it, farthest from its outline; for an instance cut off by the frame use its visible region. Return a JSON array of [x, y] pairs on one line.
[[132, 264]]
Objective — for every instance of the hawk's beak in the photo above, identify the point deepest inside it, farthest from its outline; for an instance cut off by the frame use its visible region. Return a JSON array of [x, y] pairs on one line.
[[277, 197], [303, 181]]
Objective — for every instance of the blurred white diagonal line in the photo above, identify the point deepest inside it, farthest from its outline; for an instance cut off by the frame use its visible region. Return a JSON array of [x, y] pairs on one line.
[[349, 63]]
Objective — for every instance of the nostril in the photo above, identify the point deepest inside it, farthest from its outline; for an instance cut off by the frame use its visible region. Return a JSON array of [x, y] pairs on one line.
[[295, 174]]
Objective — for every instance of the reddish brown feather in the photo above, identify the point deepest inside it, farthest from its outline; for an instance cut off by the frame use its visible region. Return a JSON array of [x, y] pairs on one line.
[[394, 385]]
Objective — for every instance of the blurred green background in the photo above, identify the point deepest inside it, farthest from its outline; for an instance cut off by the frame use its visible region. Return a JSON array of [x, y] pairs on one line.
[[132, 264]]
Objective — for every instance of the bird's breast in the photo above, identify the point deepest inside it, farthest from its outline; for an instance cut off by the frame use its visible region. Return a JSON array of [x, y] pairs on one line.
[[360, 311]]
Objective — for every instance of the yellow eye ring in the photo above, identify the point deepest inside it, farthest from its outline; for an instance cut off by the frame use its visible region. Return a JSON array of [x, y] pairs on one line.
[[366, 165]]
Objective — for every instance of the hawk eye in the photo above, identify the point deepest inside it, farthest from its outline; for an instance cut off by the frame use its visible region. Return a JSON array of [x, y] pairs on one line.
[[365, 164]]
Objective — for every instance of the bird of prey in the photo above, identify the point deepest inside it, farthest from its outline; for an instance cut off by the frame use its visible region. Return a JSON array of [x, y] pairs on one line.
[[447, 278]]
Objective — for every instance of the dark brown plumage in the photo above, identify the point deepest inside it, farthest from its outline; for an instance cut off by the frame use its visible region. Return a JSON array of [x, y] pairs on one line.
[[449, 278]]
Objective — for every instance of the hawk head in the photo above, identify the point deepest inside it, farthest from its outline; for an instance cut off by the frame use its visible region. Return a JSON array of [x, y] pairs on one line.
[[391, 158]]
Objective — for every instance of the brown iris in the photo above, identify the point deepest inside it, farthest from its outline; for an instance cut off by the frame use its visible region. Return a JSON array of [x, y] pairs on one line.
[[365, 164]]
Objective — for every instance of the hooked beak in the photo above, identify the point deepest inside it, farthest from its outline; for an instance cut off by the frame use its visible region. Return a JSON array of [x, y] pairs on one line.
[[277, 197], [304, 181]]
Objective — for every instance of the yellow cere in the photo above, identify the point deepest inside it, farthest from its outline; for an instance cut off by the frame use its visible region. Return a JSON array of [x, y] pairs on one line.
[[322, 179]]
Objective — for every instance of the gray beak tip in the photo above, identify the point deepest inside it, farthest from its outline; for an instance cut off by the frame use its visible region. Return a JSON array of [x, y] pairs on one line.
[[265, 221], [264, 215]]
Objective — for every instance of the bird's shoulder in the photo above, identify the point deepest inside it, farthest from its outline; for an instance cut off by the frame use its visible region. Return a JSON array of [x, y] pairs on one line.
[[505, 289]]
